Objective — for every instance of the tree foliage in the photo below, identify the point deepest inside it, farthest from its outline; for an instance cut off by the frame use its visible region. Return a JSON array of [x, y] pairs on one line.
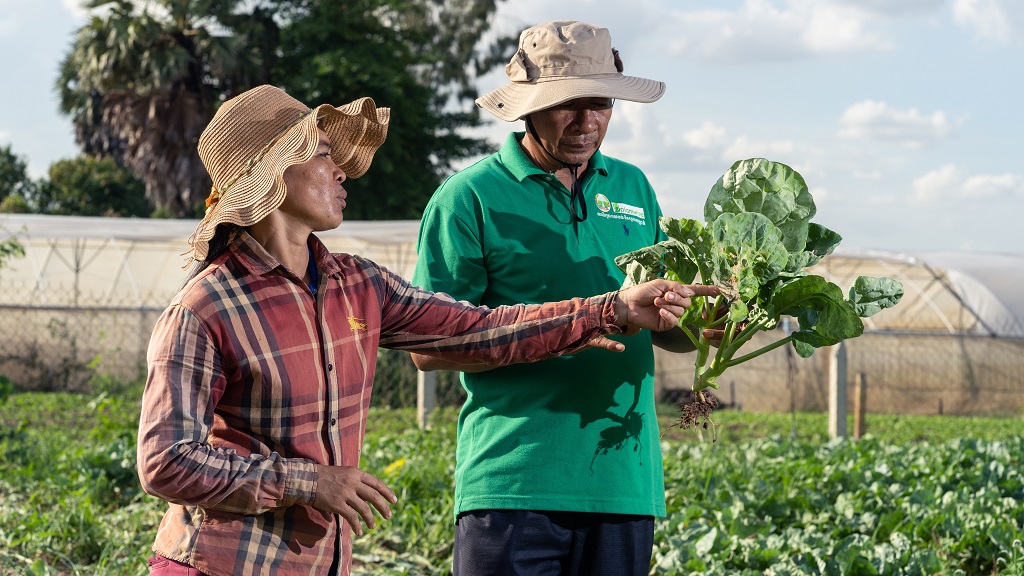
[[143, 78], [14, 178], [87, 186], [418, 57]]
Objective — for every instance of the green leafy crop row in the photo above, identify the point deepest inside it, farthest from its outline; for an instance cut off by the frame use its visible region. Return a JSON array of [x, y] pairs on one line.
[[757, 504]]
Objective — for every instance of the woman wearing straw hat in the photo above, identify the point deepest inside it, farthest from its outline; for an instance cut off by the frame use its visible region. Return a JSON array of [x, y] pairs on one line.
[[559, 463], [260, 369]]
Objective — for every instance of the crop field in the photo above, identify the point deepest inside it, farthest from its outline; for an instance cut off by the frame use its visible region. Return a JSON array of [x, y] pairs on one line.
[[921, 495]]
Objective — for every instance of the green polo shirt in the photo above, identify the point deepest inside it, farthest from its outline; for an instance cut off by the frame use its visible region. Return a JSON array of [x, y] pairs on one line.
[[575, 433]]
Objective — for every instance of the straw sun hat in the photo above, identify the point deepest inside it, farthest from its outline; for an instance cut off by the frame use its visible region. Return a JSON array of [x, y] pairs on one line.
[[561, 61], [256, 135]]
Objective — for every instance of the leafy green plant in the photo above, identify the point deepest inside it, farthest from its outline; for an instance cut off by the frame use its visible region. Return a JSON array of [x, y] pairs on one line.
[[755, 246], [919, 495]]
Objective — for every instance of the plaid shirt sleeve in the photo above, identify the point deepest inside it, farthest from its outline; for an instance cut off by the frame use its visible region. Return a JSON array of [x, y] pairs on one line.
[[435, 323], [176, 461]]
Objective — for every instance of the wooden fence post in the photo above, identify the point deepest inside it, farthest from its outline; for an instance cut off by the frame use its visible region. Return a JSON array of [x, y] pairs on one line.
[[859, 404], [837, 391], [426, 396]]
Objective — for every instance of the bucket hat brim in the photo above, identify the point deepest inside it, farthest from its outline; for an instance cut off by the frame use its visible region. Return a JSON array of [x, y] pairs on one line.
[[560, 61], [516, 100]]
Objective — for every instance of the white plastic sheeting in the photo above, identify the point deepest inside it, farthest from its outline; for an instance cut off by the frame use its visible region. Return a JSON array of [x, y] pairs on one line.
[[976, 293], [117, 262], [991, 285], [121, 262]]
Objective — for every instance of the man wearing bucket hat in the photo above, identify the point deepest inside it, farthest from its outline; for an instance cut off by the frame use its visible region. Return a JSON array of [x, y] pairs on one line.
[[559, 465], [260, 370]]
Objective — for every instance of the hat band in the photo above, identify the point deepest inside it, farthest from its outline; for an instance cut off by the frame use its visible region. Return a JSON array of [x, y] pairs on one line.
[[216, 193]]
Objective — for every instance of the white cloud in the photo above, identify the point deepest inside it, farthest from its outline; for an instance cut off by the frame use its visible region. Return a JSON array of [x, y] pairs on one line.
[[707, 136], [896, 8], [639, 135], [999, 21], [743, 147], [994, 185], [950, 182], [75, 7], [760, 30], [939, 183], [874, 120]]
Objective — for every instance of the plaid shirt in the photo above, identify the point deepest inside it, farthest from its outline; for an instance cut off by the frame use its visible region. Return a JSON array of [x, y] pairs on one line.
[[252, 382]]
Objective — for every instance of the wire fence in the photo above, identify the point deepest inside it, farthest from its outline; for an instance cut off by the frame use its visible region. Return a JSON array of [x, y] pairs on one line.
[[903, 373], [63, 347]]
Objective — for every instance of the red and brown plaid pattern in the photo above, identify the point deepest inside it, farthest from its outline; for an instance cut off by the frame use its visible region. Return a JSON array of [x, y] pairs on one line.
[[252, 382]]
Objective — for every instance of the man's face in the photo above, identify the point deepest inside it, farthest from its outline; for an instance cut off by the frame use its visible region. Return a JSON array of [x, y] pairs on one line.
[[574, 130], [315, 195]]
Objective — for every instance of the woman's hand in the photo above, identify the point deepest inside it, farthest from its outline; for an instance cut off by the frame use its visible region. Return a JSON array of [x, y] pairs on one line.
[[655, 305]]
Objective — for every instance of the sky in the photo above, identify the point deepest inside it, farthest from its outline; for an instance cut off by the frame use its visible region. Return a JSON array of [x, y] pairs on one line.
[[903, 116]]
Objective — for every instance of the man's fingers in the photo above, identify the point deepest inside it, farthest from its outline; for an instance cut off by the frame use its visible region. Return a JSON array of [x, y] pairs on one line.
[[714, 336], [606, 343]]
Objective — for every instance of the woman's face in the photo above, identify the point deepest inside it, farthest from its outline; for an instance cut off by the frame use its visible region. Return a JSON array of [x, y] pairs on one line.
[[315, 195]]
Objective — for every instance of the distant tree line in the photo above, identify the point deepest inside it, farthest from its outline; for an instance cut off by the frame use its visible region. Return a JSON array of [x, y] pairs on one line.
[[142, 78], [83, 186]]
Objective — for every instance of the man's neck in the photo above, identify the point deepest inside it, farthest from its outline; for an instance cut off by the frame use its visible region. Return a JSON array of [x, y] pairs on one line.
[[547, 162]]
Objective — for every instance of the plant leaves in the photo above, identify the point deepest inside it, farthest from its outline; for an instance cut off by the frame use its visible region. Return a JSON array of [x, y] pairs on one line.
[[872, 295], [825, 317], [747, 252], [820, 243], [637, 273], [693, 248], [642, 265], [769, 188]]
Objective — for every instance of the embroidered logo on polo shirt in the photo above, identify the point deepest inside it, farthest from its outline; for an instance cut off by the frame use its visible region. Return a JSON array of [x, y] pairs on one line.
[[356, 324], [619, 210]]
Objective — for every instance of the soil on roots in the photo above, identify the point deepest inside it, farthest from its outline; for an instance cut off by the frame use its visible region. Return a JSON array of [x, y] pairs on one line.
[[697, 413]]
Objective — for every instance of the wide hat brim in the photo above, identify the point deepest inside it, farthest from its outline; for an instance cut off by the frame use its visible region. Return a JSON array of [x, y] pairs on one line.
[[517, 100], [356, 131]]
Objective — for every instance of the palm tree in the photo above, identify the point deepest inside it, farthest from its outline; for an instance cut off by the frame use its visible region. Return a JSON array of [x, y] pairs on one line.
[[143, 78]]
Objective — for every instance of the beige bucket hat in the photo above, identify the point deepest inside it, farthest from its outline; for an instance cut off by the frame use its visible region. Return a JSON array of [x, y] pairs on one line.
[[256, 135], [561, 61]]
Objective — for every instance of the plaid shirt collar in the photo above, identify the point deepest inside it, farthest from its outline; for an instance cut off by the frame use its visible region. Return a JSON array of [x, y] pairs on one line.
[[257, 261]]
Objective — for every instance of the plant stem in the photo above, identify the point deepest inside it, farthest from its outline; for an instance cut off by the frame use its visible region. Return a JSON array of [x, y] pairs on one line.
[[745, 335], [723, 347], [700, 365], [756, 353], [689, 334]]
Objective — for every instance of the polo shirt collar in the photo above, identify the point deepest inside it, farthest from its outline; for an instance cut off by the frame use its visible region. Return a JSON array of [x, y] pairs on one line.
[[520, 165]]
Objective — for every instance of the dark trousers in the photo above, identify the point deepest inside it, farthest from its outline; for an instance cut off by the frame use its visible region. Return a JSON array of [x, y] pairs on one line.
[[531, 543]]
